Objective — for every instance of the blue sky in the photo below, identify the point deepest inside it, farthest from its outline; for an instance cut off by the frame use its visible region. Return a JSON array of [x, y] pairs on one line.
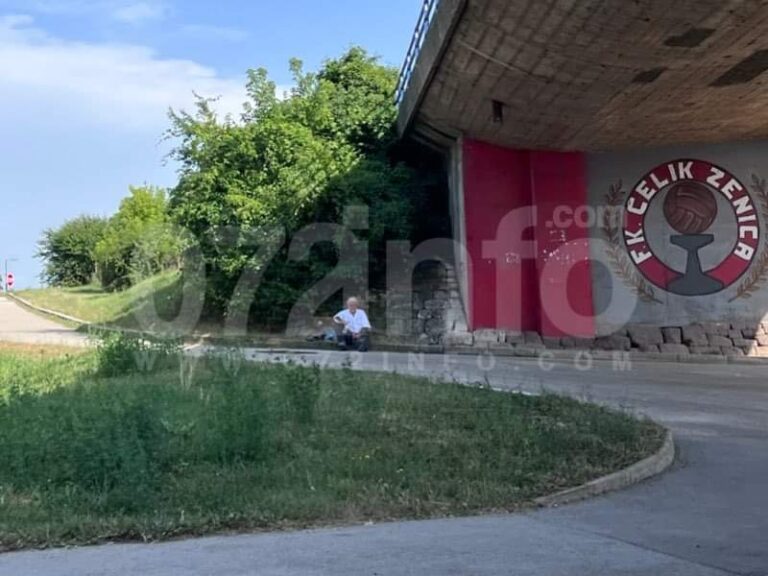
[[85, 86]]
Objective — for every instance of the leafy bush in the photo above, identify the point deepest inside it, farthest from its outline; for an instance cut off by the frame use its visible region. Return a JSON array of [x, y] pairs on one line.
[[121, 353], [69, 251], [330, 144], [139, 240], [286, 163]]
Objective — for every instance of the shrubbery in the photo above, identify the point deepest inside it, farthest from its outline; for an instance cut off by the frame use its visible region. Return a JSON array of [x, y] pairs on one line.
[[284, 164], [69, 251], [140, 240], [123, 353]]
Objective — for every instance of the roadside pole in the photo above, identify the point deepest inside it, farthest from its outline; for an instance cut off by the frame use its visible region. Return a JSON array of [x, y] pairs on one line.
[[5, 275]]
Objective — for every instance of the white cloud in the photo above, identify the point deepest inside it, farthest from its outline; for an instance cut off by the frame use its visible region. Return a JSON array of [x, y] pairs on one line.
[[54, 6], [15, 20], [207, 32], [139, 12], [114, 8], [121, 85]]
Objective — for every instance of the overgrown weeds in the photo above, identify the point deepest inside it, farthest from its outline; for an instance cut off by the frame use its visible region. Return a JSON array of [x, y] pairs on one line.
[[93, 449], [121, 353]]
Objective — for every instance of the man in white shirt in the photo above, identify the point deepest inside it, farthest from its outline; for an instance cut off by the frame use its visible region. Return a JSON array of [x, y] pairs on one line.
[[357, 328]]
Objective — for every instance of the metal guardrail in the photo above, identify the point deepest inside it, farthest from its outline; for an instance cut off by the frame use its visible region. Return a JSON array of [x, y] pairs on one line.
[[428, 10]]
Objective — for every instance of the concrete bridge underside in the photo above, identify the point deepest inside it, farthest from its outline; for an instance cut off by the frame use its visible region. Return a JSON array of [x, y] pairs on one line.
[[592, 75]]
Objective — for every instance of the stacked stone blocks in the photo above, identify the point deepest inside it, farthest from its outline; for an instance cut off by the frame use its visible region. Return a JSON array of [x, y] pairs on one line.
[[704, 339]]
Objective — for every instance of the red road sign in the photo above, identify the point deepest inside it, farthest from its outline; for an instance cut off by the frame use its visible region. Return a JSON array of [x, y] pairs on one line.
[[9, 281]]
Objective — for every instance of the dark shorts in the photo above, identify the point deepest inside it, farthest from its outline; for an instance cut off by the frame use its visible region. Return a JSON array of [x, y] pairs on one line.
[[360, 343]]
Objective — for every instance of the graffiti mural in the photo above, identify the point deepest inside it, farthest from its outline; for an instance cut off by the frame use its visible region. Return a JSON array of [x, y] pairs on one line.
[[691, 228]]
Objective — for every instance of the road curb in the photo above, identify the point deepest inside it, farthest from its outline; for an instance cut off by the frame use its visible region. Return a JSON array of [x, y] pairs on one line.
[[639, 472], [46, 311]]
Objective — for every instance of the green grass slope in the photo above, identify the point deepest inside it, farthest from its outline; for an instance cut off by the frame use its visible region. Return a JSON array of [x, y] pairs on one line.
[[94, 305]]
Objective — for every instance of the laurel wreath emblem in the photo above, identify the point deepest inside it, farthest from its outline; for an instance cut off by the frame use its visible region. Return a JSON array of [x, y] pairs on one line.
[[759, 273], [617, 254]]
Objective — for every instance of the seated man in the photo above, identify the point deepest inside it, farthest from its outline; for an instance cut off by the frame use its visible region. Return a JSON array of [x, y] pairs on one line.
[[357, 328]]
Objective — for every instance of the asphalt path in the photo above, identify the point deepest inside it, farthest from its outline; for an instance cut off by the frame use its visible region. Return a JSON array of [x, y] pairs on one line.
[[21, 326]]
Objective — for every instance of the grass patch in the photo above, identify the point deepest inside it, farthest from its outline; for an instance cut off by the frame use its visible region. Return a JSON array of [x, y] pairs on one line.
[[94, 305], [219, 445], [39, 350]]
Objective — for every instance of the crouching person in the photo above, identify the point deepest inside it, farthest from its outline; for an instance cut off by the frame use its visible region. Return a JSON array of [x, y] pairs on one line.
[[357, 329]]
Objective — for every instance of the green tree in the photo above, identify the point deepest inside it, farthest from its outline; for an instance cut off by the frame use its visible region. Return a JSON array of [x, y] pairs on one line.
[[68, 251], [291, 162], [139, 240]]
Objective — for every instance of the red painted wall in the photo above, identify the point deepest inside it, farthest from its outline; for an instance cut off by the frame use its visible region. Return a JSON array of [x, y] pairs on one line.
[[564, 271], [497, 184], [509, 198]]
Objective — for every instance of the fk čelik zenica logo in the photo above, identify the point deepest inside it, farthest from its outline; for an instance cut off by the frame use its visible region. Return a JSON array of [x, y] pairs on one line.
[[690, 228]]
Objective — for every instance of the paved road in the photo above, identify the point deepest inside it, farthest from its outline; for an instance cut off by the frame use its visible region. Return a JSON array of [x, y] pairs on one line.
[[706, 517], [21, 326]]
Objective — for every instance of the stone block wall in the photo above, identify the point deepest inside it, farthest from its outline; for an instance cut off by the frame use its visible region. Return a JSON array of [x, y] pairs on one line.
[[439, 319], [437, 306], [703, 339]]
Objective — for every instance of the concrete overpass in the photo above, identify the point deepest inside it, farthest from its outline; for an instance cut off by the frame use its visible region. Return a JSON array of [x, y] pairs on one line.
[[591, 75], [650, 109]]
